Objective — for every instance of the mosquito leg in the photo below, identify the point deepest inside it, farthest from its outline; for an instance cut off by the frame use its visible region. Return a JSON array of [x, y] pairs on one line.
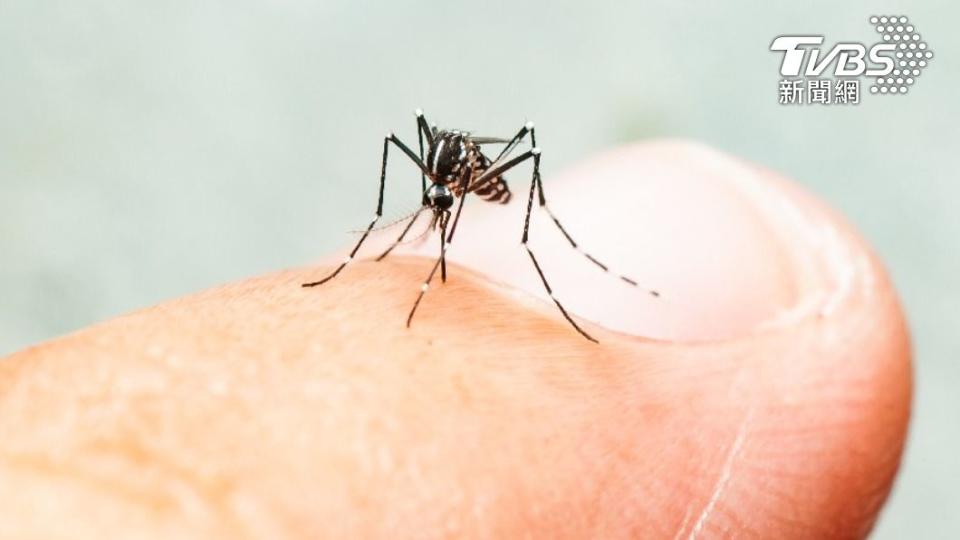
[[422, 129], [423, 288], [463, 189], [533, 258], [443, 246], [390, 138], [527, 128], [574, 245], [423, 175], [413, 219]]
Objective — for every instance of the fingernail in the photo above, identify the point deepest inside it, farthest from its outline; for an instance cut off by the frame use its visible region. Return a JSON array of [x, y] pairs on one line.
[[731, 248]]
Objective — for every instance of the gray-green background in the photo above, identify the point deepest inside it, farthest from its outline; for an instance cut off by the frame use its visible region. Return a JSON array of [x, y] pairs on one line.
[[150, 149]]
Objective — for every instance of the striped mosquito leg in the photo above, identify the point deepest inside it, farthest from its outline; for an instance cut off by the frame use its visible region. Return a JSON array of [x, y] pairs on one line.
[[390, 138], [426, 284], [573, 243], [563, 310], [533, 258], [348, 258], [399, 240]]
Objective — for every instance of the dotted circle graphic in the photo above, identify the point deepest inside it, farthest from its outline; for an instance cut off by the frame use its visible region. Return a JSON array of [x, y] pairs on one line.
[[911, 57]]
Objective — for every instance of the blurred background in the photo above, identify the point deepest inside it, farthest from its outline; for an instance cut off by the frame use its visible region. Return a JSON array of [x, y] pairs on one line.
[[151, 149]]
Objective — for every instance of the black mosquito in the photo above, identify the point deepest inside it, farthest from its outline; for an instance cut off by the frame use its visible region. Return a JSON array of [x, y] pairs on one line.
[[456, 166]]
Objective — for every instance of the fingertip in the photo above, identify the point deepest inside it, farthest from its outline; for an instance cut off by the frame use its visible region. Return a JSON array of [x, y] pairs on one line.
[[780, 362]]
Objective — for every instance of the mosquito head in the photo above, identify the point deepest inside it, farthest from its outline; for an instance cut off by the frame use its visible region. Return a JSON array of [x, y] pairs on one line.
[[439, 196], [447, 156]]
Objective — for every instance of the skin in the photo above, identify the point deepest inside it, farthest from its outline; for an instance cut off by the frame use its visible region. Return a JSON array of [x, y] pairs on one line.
[[765, 394]]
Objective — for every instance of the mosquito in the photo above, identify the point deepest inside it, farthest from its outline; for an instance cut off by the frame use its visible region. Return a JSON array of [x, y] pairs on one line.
[[456, 166]]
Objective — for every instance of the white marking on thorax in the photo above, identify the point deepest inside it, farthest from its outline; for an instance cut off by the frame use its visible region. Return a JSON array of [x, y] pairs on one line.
[[436, 155]]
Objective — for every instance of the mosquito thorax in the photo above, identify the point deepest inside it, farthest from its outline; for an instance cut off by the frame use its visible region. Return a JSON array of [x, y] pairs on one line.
[[448, 155], [439, 196]]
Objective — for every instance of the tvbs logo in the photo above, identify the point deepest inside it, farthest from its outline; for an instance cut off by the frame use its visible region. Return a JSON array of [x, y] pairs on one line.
[[832, 75], [849, 59]]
